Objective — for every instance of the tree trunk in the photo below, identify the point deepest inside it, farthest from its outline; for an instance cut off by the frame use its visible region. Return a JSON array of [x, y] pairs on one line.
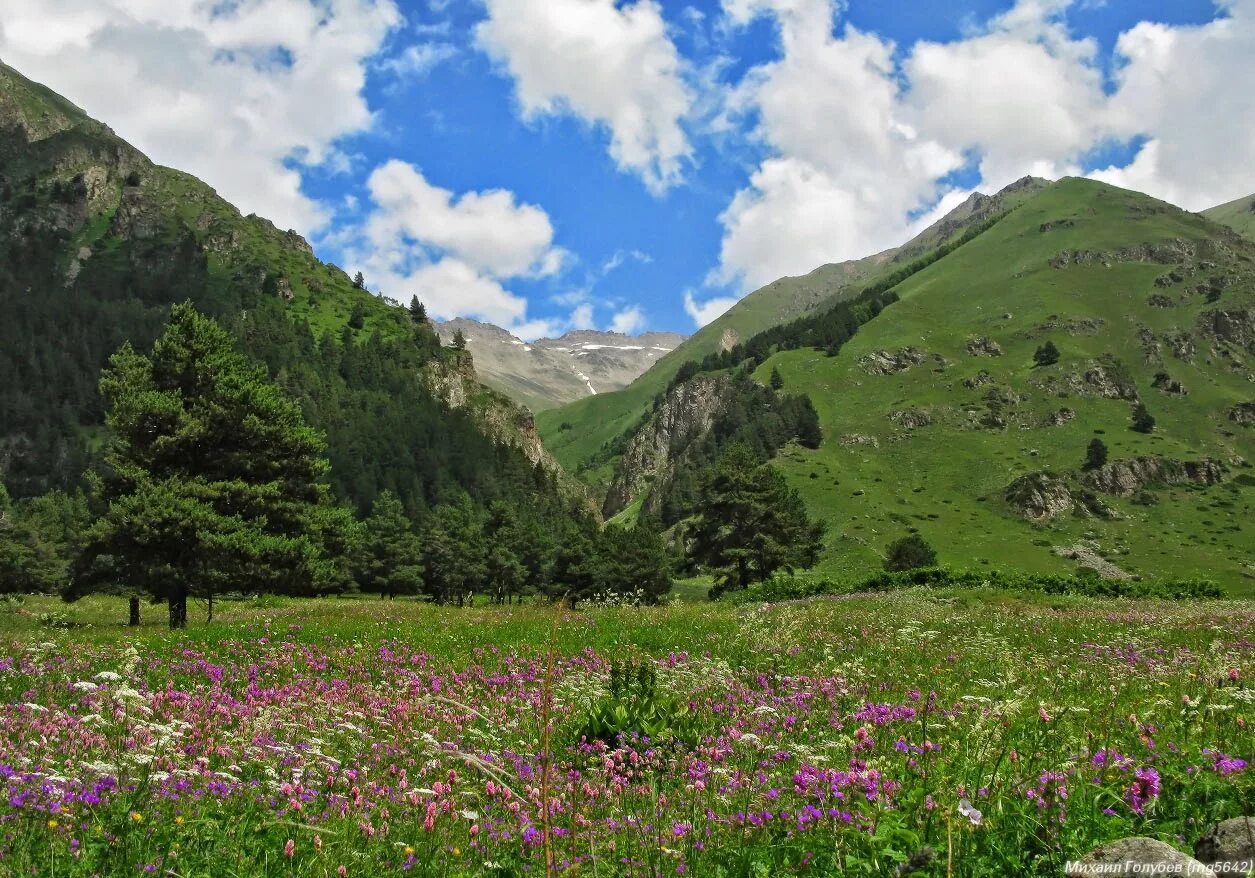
[[178, 608], [134, 619], [211, 607]]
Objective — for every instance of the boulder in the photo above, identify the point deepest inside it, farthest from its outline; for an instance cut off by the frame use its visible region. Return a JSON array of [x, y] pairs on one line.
[[1243, 414], [1059, 418], [984, 347], [1137, 857], [980, 378], [1167, 384], [1040, 496], [911, 418], [1231, 843], [891, 362]]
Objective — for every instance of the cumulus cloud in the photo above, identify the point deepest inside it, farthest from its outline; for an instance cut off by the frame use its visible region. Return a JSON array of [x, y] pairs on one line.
[[230, 92], [1188, 91], [704, 312], [844, 170], [416, 61], [629, 321], [609, 64], [453, 251]]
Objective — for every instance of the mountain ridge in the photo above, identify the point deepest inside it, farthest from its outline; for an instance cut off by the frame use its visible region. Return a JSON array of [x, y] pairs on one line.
[[549, 372]]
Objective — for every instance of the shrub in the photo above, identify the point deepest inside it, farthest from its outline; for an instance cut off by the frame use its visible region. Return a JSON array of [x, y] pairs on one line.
[[910, 552], [634, 706], [1046, 355]]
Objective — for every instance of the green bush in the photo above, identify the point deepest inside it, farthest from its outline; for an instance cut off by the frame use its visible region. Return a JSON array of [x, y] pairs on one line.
[[785, 588]]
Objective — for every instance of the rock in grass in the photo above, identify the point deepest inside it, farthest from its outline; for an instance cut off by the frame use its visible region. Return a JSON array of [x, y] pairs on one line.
[[1137, 857], [1231, 843]]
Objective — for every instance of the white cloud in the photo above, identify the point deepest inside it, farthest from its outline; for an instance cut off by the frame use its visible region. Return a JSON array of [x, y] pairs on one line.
[[418, 60], [1023, 94], [582, 317], [489, 230], [845, 169], [1188, 89], [609, 64], [629, 321], [455, 252], [227, 91], [704, 312]]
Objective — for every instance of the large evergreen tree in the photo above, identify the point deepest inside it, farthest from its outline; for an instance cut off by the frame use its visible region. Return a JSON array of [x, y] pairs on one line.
[[389, 554], [635, 560], [453, 552], [751, 523], [212, 480]]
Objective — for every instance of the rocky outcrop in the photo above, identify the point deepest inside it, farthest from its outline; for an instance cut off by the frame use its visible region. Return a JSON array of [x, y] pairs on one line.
[[1110, 382], [911, 419], [1234, 326], [1230, 843], [859, 440], [1243, 414], [1124, 478], [1167, 384], [457, 386], [891, 362], [979, 379], [1059, 418], [1164, 253], [983, 346], [1137, 857], [1182, 345], [683, 419], [1040, 496]]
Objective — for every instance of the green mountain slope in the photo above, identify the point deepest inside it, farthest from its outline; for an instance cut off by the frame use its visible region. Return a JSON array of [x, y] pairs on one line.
[[577, 433], [96, 242], [936, 408], [1238, 215]]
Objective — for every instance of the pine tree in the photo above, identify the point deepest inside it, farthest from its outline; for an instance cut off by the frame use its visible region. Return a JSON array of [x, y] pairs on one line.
[[1143, 420], [389, 555], [1046, 355], [418, 311], [635, 559], [359, 282], [751, 523], [212, 480], [777, 380], [453, 552], [357, 317], [909, 552], [1095, 454], [459, 340]]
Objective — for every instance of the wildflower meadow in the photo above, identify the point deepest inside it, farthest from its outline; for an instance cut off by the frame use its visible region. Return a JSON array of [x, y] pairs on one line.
[[924, 732]]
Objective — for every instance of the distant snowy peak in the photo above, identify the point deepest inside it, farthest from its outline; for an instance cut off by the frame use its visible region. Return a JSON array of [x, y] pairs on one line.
[[554, 371]]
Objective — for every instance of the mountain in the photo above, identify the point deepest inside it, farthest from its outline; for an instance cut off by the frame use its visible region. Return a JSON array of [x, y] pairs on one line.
[[578, 433], [555, 371], [96, 242], [1238, 215], [943, 413]]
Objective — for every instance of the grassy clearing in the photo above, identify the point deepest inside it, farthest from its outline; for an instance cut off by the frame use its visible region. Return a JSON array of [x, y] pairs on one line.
[[318, 738]]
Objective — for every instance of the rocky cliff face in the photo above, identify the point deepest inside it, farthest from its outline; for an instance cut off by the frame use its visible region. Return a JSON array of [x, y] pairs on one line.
[[457, 385], [684, 419]]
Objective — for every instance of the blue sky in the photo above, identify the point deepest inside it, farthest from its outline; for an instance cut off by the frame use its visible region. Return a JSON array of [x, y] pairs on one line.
[[557, 164]]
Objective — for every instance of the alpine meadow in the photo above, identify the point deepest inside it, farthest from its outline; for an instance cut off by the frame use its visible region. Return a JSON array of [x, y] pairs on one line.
[[627, 438]]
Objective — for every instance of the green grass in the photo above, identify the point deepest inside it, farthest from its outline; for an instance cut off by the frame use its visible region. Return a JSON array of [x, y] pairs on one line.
[[1238, 215], [947, 480]]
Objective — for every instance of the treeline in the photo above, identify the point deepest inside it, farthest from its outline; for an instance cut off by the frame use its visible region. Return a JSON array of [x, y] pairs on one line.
[[211, 483]]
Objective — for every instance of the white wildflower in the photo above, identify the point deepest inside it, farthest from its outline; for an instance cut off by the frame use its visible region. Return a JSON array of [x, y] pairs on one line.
[[968, 810]]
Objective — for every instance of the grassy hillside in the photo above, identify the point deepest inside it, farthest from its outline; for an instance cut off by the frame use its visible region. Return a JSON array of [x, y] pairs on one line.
[[96, 242], [575, 433], [1146, 275], [1238, 215]]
